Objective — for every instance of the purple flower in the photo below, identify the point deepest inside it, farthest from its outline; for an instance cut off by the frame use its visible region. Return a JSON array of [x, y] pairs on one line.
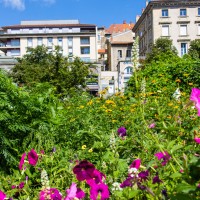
[[195, 96], [197, 140], [96, 178], [13, 186], [84, 170], [122, 131], [198, 186], [152, 125], [54, 149], [21, 163], [2, 195], [127, 183], [99, 189], [32, 157], [21, 185], [143, 175], [156, 179], [164, 193], [53, 193], [163, 155], [135, 164]]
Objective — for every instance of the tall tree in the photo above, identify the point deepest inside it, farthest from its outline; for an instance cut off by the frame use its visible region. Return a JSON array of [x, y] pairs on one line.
[[39, 66]]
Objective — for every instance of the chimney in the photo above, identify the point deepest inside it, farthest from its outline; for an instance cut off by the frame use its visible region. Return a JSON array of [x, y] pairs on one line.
[[124, 22]]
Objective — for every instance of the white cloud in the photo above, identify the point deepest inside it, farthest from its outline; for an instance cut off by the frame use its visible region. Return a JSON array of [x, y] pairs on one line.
[[17, 4], [20, 4]]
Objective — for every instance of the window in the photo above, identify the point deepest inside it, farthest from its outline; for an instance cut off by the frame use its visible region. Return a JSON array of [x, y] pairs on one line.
[[183, 12], [85, 59], [198, 11], [85, 40], [15, 52], [183, 29], [39, 41], [165, 13], [29, 42], [85, 50], [198, 29], [165, 30], [49, 41], [128, 70], [60, 42], [15, 42], [70, 41], [99, 37], [70, 51], [183, 48], [128, 53], [119, 53]]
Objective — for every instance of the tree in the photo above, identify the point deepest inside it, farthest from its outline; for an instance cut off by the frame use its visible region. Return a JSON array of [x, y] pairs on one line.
[[39, 66], [162, 49], [194, 50]]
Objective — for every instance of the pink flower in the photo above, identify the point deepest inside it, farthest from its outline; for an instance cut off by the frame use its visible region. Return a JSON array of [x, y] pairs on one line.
[[96, 178], [50, 194], [152, 125], [21, 163], [135, 164], [74, 192], [32, 157], [2, 195], [163, 155], [99, 189], [195, 96], [197, 140], [21, 185]]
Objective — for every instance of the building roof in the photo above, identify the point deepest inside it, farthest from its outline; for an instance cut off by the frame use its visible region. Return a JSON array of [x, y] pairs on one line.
[[101, 51], [48, 26], [117, 28]]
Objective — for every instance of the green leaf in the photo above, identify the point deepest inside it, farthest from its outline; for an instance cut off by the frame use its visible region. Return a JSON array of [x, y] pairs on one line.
[[176, 175], [185, 188]]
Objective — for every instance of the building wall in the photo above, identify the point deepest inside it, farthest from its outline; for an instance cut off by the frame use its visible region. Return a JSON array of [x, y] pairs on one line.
[[149, 25]]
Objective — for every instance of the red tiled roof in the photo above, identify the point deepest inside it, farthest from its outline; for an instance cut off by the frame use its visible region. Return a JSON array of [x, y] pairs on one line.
[[101, 51], [48, 25], [117, 28]]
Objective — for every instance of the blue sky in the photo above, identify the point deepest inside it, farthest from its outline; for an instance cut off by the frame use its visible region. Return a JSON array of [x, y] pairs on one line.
[[99, 12]]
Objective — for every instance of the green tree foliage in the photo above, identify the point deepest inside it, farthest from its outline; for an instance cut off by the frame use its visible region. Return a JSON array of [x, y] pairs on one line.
[[39, 66], [194, 50], [162, 49], [25, 119]]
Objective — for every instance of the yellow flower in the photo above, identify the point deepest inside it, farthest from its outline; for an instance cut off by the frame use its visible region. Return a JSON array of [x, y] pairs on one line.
[[81, 107], [169, 117], [153, 81], [185, 74], [90, 103], [175, 106], [108, 110], [170, 104], [110, 102], [178, 80], [84, 147], [90, 150], [132, 110], [190, 83], [114, 120]]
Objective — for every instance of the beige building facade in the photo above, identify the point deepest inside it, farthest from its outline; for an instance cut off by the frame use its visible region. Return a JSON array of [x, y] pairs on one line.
[[74, 39], [178, 20]]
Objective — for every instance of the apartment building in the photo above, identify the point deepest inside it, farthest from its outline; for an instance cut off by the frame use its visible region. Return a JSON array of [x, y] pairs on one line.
[[74, 39], [178, 20]]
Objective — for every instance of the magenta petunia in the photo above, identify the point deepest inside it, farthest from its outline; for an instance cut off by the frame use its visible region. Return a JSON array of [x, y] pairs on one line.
[[84, 170], [195, 96], [143, 175], [121, 131], [21, 163], [163, 155], [101, 190], [74, 192], [96, 178], [32, 157], [2, 195], [136, 164], [51, 193], [21, 185], [197, 140], [156, 179]]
